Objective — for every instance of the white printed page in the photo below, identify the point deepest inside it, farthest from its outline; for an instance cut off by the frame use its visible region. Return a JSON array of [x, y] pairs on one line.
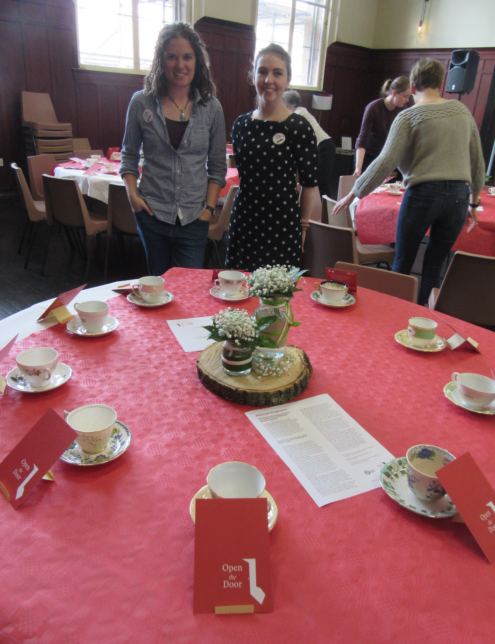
[[330, 454], [190, 333]]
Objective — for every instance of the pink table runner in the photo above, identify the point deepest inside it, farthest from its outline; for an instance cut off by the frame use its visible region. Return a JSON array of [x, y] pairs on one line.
[[105, 554], [376, 223]]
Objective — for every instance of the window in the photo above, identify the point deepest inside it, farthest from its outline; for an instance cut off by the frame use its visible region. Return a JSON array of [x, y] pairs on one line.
[[300, 27], [121, 34]]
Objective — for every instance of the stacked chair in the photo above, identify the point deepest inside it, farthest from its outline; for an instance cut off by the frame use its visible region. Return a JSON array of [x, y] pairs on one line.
[[42, 133]]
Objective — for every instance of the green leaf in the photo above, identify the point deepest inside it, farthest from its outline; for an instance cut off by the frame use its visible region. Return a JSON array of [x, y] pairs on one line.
[[265, 341], [262, 323]]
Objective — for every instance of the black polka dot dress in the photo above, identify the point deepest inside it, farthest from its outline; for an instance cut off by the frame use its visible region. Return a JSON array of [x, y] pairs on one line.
[[265, 224]]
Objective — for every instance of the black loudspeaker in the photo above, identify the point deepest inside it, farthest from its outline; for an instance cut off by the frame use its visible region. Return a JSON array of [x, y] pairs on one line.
[[462, 71]]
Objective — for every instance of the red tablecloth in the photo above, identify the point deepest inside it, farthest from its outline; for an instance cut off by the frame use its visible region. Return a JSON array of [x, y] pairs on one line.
[[232, 179], [376, 223], [105, 554]]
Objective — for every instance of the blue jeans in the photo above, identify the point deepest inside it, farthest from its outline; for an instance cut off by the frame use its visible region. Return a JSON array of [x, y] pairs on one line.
[[169, 245], [441, 205]]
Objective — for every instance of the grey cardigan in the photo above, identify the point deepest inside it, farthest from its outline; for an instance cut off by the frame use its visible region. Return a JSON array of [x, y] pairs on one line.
[[174, 183]]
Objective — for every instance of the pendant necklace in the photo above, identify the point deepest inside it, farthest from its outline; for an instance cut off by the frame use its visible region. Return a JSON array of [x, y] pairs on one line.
[[182, 115]]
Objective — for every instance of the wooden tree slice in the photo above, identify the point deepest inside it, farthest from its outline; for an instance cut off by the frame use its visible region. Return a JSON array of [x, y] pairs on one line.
[[253, 390]]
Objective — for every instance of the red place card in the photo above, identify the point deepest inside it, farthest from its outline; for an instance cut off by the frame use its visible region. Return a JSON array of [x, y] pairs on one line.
[[348, 277], [232, 557], [61, 301], [33, 456], [6, 350], [474, 497]]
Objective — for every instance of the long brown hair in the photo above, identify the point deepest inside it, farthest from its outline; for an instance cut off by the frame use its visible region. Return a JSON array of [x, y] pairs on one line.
[[400, 84], [155, 82]]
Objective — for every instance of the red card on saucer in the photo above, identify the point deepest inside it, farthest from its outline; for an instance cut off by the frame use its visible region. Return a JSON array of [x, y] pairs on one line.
[[232, 557], [6, 350], [474, 497], [348, 277], [62, 300], [33, 456]]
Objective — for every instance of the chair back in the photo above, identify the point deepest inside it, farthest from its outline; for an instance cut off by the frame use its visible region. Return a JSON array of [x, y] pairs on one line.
[[403, 286], [466, 292], [342, 219], [120, 214], [81, 144], [37, 108], [27, 199], [346, 184], [217, 230], [37, 166], [65, 204], [326, 245], [85, 154]]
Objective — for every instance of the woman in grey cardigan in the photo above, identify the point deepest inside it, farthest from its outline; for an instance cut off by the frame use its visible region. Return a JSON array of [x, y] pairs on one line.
[[181, 129], [436, 145]]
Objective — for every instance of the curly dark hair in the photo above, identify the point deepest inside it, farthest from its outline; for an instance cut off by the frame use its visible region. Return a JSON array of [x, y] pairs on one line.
[[155, 82]]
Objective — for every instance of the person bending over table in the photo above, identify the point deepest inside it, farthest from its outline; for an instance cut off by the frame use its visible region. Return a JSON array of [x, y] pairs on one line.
[[180, 125], [326, 147], [377, 121], [437, 147], [271, 145]]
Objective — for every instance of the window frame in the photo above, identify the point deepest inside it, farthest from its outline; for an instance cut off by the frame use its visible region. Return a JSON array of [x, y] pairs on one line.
[[324, 40], [136, 71]]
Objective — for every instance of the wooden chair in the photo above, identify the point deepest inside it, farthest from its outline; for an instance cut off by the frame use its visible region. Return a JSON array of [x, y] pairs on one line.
[[372, 254], [120, 217], [65, 205], [85, 154], [217, 230], [35, 209], [346, 184], [403, 286], [467, 291], [81, 144], [38, 166], [326, 245]]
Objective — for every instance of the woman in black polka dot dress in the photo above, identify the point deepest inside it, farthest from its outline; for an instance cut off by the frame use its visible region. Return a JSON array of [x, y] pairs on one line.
[[271, 145]]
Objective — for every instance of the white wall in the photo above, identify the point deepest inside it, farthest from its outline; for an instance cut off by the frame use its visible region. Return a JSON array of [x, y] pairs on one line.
[[449, 23], [355, 22], [243, 11]]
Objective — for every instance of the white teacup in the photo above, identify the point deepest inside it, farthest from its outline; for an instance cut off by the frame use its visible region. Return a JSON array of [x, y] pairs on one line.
[[235, 480], [150, 289], [477, 391], [423, 461], [394, 188], [230, 282], [421, 331], [491, 191], [37, 365], [96, 157], [92, 314], [332, 291], [93, 424]]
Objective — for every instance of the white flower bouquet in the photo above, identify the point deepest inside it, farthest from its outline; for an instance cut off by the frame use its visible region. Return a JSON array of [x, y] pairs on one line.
[[237, 327]]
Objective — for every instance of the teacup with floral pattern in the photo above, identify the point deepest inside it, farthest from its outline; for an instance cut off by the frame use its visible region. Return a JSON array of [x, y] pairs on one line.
[[37, 365], [423, 461]]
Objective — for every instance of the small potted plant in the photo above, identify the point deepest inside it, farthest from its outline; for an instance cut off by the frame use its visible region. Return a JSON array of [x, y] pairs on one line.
[[275, 286], [239, 334]]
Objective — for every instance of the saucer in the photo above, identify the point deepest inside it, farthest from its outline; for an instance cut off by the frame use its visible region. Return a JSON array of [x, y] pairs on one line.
[[76, 326], [437, 344], [61, 374], [205, 493], [347, 300], [243, 294], [119, 441], [165, 298], [394, 481], [451, 390]]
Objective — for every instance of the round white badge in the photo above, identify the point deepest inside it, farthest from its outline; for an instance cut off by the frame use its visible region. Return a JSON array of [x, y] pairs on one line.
[[147, 116], [278, 138]]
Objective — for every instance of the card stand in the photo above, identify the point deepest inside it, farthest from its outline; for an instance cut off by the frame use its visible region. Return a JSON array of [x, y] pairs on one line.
[[252, 390], [457, 341]]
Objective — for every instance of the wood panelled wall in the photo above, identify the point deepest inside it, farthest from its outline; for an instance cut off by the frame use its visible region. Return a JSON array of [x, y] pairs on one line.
[[38, 52]]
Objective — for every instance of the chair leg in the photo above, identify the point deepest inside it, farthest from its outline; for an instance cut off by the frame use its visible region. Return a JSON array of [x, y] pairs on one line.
[[91, 245], [33, 235], [46, 250], [69, 238], [106, 260], [215, 246], [27, 226]]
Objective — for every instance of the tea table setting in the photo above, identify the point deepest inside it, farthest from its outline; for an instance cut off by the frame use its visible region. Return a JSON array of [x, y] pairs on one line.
[[106, 550]]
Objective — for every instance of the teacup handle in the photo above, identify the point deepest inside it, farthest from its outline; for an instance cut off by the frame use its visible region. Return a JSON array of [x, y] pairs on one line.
[[136, 293], [454, 376], [217, 283], [76, 305]]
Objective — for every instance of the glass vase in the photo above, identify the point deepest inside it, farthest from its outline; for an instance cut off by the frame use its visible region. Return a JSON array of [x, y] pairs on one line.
[[236, 361], [277, 331]]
